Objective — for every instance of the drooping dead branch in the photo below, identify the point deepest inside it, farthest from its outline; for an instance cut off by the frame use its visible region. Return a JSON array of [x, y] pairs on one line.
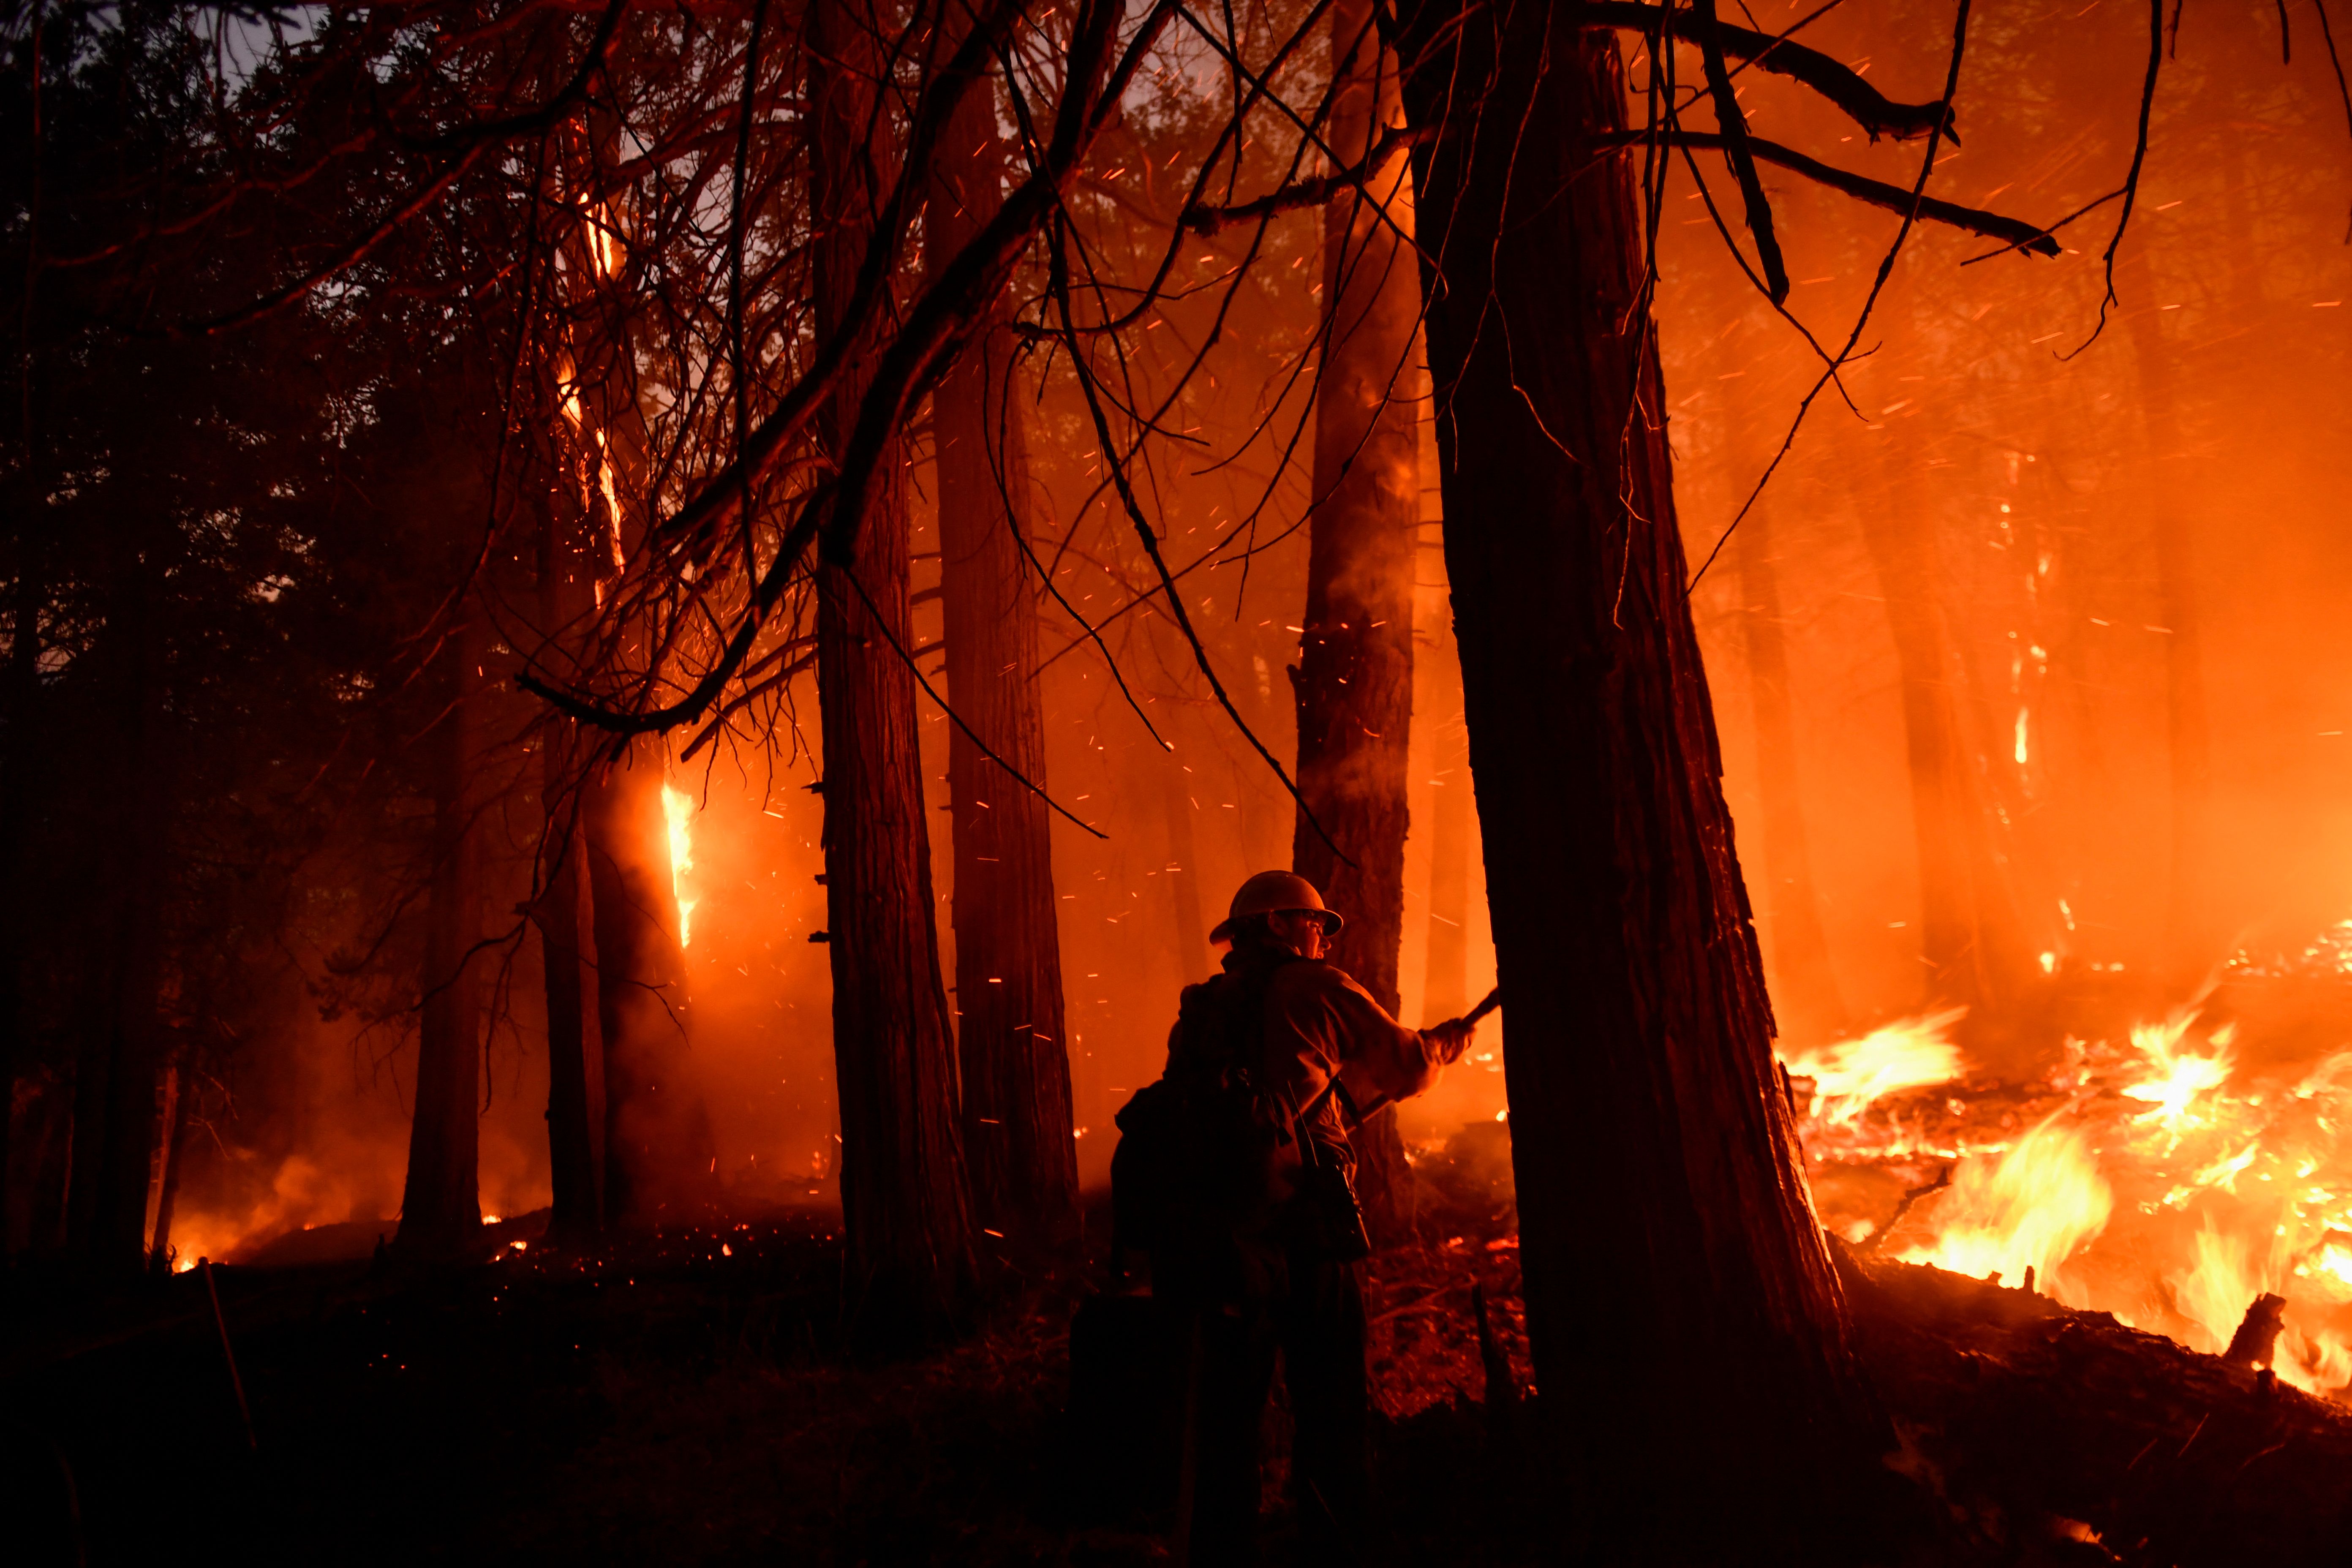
[[1302, 194], [2020, 235], [1863, 103], [1732, 135]]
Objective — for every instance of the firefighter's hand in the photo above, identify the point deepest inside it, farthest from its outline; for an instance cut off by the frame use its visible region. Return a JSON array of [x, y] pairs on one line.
[[1448, 1040]]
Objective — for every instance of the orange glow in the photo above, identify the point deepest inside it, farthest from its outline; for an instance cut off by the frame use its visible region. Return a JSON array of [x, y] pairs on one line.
[[678, 808]]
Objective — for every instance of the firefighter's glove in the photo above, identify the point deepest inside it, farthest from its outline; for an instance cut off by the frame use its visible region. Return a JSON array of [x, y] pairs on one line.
[[1448, 1040]]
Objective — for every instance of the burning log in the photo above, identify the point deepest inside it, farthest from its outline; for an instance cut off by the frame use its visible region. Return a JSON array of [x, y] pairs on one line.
[[2018, 1412], [2257, 1337]]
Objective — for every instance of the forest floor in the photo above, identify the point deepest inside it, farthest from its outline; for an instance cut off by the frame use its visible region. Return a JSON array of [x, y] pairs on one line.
[[685, 1399], [677, 1400]]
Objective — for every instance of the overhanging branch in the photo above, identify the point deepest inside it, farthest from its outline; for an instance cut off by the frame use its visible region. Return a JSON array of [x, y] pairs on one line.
[[1863, 103], [2018, 233]]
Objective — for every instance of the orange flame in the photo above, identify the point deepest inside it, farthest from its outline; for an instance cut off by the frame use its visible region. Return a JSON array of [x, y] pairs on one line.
[[2034, 1206], [1851, 1076], [677, 809]]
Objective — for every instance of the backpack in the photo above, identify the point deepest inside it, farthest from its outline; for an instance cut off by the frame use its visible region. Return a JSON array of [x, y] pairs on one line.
[[1194, 1157]]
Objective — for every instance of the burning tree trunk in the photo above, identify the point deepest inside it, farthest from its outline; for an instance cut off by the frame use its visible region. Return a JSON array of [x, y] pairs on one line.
[[441, 1207], [1353, 680], [1966, 931], [904, 1199], [1010, 1037], [2193, 944], [1684, 1316], [658, 1152]]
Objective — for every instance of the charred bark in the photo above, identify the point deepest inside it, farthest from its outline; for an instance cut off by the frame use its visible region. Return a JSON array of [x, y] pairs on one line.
[[1683, 1315], [441, 1205], [904, 1199], [1012, 1042], [1353, 682]]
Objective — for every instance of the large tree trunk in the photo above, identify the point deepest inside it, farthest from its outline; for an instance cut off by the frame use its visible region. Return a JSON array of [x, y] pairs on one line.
[[18, 759], [117, 1065], [1700, 1390], [2194, 943], [1010, 1037], [1353, 680], [1967, 932], [903, 1193], [659, 1156], [441, 1206], [578, 1211]]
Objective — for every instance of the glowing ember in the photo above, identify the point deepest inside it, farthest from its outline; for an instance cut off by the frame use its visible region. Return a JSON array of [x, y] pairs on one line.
[[678, 807]]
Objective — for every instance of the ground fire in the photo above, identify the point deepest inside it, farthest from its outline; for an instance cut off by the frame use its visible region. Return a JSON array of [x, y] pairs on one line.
[[1327, 781]]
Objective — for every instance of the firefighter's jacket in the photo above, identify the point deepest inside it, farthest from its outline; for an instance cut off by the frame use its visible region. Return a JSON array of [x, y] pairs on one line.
[[1315, 1024], [1210, 1155]]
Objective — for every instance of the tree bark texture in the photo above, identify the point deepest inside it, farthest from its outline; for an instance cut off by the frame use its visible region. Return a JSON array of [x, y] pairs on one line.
[[1353, 682], [1967, 929], [1702, 1398], [1809, 989], [1011, 1041], [441, 1206], [2194, 941], [903, 1198]]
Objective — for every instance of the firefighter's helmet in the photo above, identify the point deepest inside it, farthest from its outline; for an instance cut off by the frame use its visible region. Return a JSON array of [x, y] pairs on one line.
[[1273, 892]]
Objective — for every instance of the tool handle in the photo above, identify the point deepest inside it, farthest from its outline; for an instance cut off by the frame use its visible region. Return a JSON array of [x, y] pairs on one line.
[[1494, 1000]]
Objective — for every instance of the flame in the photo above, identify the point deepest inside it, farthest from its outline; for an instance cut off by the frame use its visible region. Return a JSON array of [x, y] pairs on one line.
[[2179, 1078], [678, 808], [2034, 1206], [2151, 1175], [1851, 1076]]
